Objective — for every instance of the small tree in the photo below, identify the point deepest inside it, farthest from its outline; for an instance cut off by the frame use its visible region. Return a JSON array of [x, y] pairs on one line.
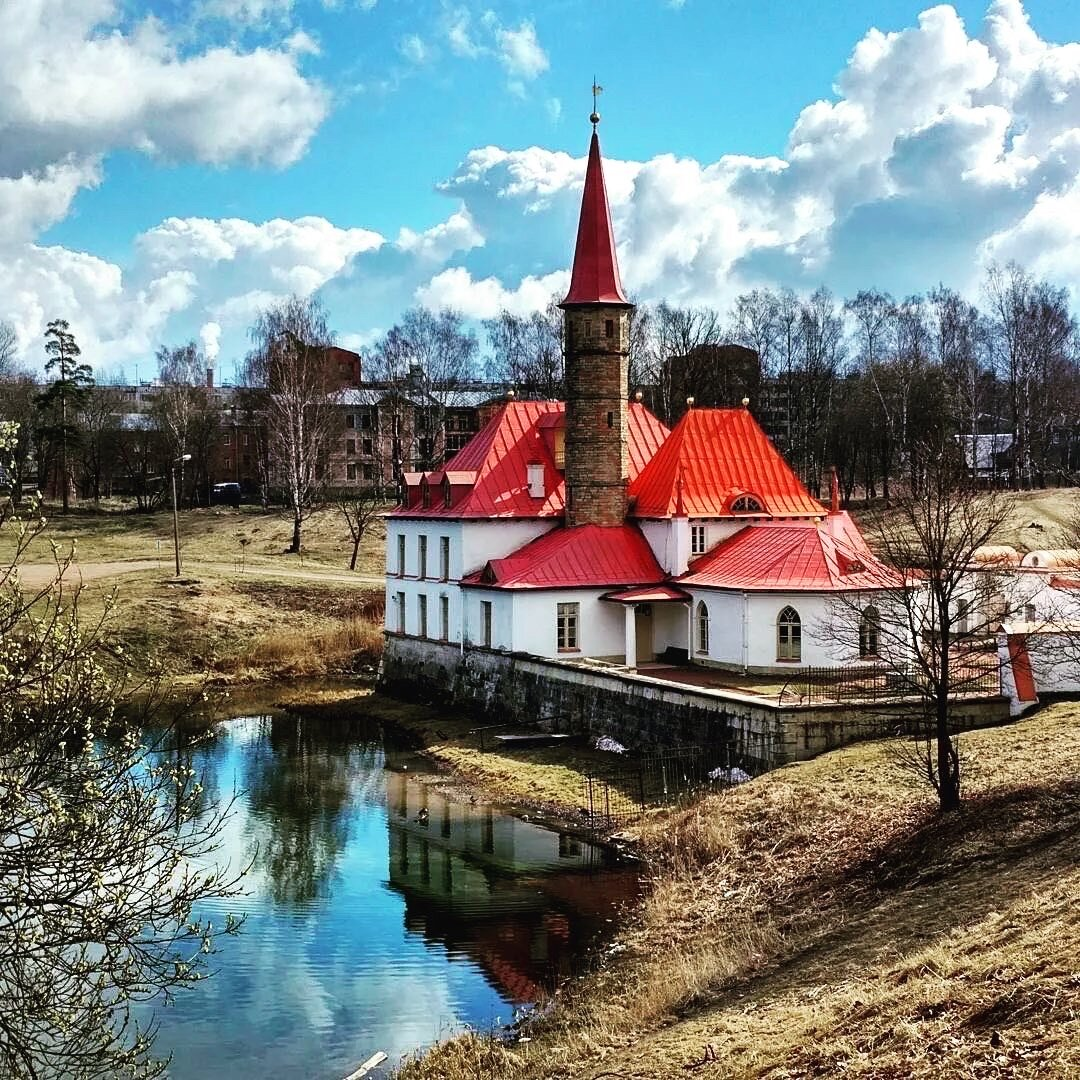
[[360, 509], [61, 402], [294, 385], [101, 840], [936, 633]]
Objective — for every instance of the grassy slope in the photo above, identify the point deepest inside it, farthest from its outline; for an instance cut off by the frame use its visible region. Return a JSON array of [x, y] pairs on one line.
[[229, 618], [824, 920]]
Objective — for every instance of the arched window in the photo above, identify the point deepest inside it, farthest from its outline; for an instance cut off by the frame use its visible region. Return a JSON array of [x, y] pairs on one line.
[[869, 632], [746, 504], [788, 635], [702, 627]]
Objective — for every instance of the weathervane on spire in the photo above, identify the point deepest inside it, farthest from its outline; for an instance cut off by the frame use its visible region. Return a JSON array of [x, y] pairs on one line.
[[597, 90]]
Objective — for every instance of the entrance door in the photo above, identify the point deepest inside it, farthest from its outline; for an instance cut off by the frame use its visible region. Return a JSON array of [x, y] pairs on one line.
[[643, 631]]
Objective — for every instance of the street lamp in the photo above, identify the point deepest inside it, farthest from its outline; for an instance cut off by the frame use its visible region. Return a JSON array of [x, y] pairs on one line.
[[175, 520]]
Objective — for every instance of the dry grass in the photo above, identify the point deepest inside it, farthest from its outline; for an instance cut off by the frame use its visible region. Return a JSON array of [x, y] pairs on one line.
[[825, 920], [248, 537]]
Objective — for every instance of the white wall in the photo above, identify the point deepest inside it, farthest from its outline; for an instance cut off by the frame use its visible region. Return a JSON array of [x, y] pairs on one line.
[[497, 538], [601, 624], [742, 629]]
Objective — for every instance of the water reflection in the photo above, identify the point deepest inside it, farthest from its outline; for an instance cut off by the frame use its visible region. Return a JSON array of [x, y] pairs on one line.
[[382, 913]]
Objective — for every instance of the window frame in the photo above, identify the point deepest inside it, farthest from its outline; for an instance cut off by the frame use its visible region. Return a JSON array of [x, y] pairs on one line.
[[401, 555], [444, 558], [421, 556], [567, 626], [789, 636], [869, 633], [486, 620], [444, 617], [698, 540], [701, 616], [421, 615], [399, 603]]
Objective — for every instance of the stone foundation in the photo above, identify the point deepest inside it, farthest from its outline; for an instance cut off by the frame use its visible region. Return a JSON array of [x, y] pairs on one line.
[[639, 711]]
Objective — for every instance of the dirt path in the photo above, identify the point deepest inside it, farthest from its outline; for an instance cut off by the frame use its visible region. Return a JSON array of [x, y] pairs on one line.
[[36, 575]]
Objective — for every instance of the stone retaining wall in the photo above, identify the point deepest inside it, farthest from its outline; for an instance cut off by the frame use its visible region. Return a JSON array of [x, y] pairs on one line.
[[641, 711]]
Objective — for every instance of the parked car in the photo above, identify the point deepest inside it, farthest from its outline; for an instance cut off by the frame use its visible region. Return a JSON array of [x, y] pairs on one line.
[[226, 494]]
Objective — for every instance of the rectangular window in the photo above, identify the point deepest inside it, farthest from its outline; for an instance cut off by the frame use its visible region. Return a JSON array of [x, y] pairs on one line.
[[401, 555], [369, 472], [421, 556], [365, 421], [609, 328], [697, 539], [1030, 614], [350, 420], [228, 463], [350, 471], [444, 557], [566, 635], [485, 623], [368, 447], [228, 439], [399, 603], [421, 615], [444, 617], [350, 447]]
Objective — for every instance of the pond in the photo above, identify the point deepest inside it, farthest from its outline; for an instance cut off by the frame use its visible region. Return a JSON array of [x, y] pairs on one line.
[[381, 912]]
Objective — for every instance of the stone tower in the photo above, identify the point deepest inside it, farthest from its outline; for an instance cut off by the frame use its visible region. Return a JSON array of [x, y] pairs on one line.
[[596, 318]]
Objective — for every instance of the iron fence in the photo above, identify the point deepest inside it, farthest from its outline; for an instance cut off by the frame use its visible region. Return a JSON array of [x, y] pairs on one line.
[[660, 778], [832, 685]]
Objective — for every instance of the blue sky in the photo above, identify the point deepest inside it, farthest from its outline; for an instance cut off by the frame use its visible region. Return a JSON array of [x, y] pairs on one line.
[[194, 159]]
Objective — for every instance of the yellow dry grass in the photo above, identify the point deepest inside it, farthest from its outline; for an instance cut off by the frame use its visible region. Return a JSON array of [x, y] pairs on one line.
[[824, 920]]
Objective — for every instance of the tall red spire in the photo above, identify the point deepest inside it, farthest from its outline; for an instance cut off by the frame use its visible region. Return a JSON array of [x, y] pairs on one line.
[[595, 277]]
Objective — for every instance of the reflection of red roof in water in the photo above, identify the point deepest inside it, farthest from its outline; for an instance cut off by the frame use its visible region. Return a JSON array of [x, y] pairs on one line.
[[826, 556], [492, 468], [720, 455]]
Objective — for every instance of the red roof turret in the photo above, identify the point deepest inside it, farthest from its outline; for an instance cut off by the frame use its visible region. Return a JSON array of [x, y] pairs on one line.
[[595, 277]]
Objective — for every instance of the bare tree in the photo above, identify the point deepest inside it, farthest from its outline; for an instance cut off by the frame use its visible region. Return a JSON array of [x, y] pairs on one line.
[[360, 508], [936, 633], [8, 346], [187, 414], [19, 408], [103, 845], [527, 351], [288, 364]]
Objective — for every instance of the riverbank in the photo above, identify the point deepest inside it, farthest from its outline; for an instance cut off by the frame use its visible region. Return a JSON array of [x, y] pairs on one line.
[[823, 919]]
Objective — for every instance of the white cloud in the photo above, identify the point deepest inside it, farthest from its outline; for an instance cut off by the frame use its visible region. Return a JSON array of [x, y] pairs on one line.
[[459, 36], [75, 81], [413, 48], [210, 336], [520, 51], [455, 288]]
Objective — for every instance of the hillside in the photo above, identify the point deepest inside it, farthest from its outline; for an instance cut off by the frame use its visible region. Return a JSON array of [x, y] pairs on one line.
[[823, 920]]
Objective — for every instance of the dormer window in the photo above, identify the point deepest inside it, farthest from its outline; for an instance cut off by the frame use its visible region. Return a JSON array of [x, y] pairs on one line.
[[747, 504], [425, 494], [446, 494]]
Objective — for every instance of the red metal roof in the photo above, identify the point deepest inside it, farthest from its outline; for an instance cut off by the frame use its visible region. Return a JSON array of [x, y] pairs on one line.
[[648, 594], [595, 276], [493, 465], [807, 556], [585, 556], [720, 454]]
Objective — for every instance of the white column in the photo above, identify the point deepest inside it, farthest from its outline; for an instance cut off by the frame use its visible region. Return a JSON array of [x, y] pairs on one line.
[[631, 635]]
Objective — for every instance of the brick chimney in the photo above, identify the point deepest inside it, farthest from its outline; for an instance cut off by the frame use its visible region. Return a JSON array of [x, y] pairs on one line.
[[596, 317]]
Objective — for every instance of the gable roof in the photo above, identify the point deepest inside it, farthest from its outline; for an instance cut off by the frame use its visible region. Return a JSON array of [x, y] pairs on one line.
[[494, 463], [595, 276], [801, 555], [584, 556], [719, 454]]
